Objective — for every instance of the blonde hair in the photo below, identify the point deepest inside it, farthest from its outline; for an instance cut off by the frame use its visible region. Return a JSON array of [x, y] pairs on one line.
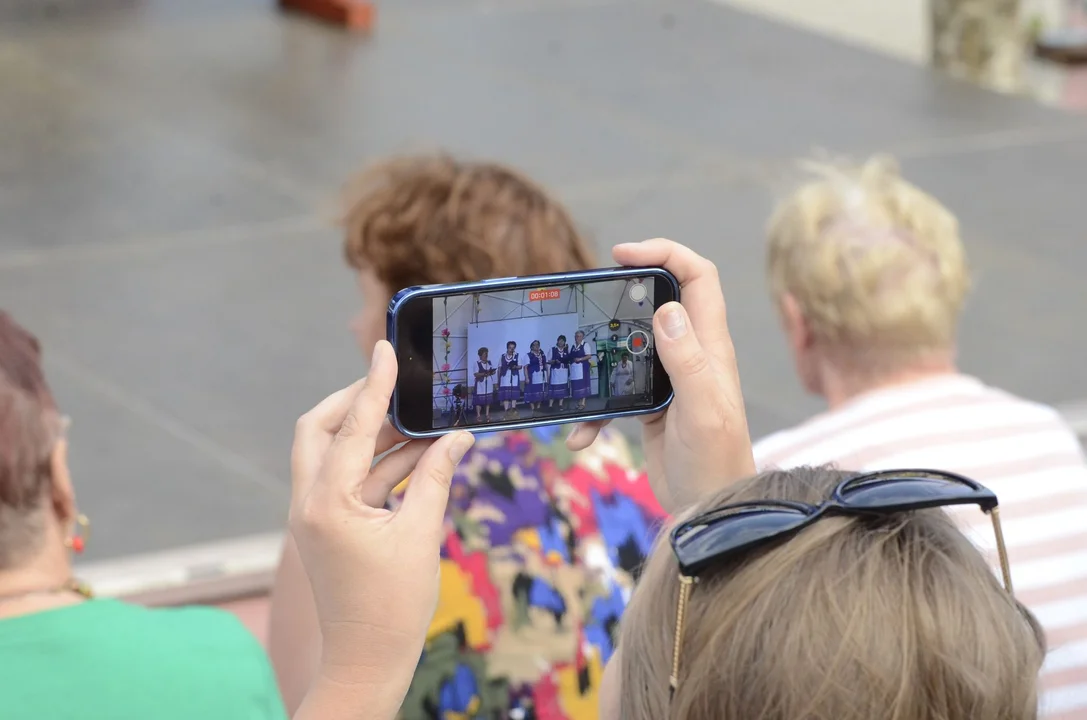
[[851, 619], [875, 265], [424, 219]]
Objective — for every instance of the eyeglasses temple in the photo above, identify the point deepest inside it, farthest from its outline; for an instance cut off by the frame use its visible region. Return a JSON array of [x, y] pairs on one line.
[[685, 583], [1001, 549]]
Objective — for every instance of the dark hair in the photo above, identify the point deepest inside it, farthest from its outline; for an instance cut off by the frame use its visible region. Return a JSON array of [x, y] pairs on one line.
[[428, 219], [625, 354], [482, 351], [561, 337], [534, 343], [511, 342], [29, 429]]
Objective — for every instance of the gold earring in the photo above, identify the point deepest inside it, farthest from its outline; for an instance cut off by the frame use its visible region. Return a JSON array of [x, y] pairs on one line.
[[77, 543]]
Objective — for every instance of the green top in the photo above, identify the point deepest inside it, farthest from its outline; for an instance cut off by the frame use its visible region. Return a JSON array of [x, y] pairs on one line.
[[107, 659]]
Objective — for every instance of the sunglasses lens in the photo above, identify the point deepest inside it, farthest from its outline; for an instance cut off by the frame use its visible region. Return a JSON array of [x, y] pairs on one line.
[[699, 542], [912, 492]]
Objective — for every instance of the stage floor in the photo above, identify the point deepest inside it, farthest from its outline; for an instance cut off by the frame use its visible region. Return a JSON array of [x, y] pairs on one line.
[[525, 411], [166, 167]]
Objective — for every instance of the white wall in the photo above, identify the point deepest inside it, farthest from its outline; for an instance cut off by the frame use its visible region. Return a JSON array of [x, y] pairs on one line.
[[901, 28], [495, 333]]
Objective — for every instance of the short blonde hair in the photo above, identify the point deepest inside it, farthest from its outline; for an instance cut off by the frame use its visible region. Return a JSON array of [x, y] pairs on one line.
[[875, 264], [851, 619]]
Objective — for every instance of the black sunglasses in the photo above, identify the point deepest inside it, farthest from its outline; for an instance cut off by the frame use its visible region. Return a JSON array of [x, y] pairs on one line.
[[728, 531]]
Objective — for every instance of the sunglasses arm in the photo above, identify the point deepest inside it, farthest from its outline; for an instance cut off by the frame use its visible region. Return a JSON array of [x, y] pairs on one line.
[[685, 583]]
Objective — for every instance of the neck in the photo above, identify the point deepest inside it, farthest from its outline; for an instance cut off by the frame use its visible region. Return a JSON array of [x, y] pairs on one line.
[[48, 570], [839, 388]]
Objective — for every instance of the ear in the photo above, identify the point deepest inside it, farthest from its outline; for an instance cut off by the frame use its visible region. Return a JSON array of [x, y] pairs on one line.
[[796, 327], [63, 494]]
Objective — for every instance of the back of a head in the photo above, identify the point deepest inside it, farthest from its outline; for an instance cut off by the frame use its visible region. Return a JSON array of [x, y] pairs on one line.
[[897, 618], [876, 265], [433, 219], [29, 428]]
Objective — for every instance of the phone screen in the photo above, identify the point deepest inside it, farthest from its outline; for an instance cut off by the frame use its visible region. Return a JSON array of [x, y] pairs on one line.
[[539, 354]]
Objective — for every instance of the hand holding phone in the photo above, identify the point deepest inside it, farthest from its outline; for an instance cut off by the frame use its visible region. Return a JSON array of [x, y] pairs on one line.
[[548, 325], [701, 442]]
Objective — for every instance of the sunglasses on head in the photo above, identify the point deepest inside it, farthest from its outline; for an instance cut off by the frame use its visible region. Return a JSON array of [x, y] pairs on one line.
[[728, 531]]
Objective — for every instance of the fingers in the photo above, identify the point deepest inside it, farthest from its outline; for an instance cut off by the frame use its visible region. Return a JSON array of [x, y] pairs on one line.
[[684, 358], [699, 282], [390, 471], [584, 434], [355, 444], [688, 266], [314, 431], [313, 434], [428, 491]]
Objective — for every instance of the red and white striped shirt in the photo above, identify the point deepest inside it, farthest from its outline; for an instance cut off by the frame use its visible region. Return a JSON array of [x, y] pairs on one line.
[[1022, 451]]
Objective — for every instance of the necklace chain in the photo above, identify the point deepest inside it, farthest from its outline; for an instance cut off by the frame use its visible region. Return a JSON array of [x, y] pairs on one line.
[[69, 586]]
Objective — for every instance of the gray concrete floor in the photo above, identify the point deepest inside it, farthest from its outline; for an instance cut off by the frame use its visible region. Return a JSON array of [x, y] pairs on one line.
[[163, 167]]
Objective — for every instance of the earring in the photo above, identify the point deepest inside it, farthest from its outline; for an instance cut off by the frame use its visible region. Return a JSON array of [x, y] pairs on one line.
[[78, 541]]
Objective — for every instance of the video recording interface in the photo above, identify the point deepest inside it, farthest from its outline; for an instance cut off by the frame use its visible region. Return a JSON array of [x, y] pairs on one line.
[[546, 352]]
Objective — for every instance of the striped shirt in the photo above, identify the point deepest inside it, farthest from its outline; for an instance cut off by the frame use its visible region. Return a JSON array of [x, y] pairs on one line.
[[1021, 450]]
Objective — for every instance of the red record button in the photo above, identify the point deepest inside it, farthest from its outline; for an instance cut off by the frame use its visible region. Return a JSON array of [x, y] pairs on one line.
[[638, 342]]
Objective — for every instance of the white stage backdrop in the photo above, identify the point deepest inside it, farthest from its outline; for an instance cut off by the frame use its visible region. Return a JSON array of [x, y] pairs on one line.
[[494, 335]]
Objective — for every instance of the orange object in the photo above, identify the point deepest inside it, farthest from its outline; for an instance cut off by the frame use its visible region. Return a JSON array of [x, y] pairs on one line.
[[351, 14]]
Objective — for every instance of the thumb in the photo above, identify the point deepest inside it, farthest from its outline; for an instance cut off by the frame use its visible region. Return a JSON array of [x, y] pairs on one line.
[[428, 492], [685, 360]]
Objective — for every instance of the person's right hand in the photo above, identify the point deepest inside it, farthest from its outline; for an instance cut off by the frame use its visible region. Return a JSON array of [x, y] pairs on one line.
[[700, 443], [373, 571]]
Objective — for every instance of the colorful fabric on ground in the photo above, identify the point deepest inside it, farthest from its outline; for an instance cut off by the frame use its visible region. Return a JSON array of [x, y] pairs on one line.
[[542, 552]]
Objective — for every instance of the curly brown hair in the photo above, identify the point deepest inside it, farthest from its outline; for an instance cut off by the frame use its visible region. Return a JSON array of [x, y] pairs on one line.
[[427, 219]]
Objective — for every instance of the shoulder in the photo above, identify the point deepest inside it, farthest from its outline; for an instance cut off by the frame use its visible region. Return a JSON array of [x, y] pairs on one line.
[[769, 449], [201, 628], [947, 416]]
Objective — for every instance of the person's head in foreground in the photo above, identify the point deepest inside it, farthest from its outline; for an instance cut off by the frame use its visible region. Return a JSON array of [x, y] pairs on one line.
[[579, 337], [169, 664], [872, 617], [869, 274], [38, 517], [626, 358], [560, 341], [510, 347], [428, 219], [535, 347], [482, 352]]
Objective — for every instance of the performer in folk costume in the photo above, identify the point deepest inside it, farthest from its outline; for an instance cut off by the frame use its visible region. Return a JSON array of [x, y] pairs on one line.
[[622, 377], [484, 374], [579, 370], [509, 378], [560, 373], [536, 375]]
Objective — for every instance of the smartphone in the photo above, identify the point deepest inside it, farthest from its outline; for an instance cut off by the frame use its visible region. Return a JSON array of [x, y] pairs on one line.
[[527, 351]]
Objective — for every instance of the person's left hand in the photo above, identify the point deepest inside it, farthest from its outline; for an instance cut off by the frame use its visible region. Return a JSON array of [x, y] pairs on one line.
[[374, 572]]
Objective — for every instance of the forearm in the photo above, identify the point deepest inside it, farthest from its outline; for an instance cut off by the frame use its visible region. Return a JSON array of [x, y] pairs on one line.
[[294, 636], [328, 699]]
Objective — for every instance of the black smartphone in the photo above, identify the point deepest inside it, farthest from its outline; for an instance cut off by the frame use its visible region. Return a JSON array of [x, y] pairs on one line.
[[527, 351]]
